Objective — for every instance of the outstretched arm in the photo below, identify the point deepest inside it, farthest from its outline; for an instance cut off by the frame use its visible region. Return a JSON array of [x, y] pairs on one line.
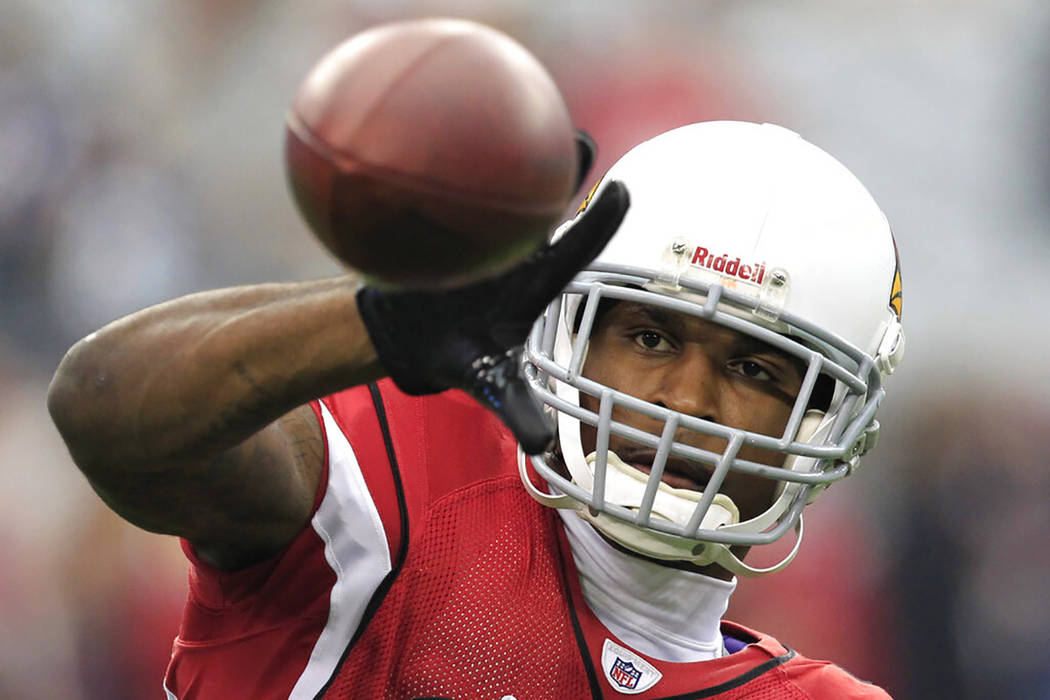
[[184, 416], [188, 417]]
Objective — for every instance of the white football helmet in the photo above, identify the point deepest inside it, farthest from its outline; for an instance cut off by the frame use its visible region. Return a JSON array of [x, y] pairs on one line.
[[751, 227]]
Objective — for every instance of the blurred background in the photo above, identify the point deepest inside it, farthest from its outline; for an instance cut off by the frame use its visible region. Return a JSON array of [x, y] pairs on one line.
[[140, 159]]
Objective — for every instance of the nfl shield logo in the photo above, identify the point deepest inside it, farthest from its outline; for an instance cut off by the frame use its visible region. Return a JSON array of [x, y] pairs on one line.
[[624, 673], [627, 672]]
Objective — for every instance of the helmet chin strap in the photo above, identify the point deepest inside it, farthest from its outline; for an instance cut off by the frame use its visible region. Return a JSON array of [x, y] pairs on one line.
[[625, 486], [651, 543], [673, 548]]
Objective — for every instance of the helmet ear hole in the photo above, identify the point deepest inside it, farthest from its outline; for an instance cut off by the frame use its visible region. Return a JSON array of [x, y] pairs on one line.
[[823, 391]]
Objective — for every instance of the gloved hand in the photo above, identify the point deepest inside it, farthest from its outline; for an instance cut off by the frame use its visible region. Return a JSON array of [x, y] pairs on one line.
[[471, 337]]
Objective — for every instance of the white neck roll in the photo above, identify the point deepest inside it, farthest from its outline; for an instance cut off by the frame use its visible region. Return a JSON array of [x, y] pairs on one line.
[[663, 612]]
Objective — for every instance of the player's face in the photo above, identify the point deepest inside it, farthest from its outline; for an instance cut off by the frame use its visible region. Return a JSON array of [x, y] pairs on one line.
[[701, 369]]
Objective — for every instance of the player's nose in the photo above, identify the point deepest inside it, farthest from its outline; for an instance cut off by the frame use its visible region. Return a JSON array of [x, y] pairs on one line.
[[690, 385]]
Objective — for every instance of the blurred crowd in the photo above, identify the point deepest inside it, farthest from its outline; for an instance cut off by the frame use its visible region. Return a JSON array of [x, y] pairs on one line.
[[141, 151]]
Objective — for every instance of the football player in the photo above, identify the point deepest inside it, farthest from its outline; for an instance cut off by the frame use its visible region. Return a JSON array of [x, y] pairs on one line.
[[693, 360]]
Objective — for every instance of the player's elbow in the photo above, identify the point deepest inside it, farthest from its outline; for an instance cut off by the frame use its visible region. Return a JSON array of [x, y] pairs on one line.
[[75, 396]]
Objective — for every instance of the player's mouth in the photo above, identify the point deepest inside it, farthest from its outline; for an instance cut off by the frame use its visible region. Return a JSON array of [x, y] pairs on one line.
[[678, 473]]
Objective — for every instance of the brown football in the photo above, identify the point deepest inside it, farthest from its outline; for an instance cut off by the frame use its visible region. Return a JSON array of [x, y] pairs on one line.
[[429, 153]]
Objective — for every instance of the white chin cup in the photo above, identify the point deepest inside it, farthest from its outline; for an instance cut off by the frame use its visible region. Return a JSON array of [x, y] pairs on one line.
[[625, 486]]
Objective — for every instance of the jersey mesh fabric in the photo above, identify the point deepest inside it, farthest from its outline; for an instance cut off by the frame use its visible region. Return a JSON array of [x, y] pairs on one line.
[[768, 686], [477, 610]]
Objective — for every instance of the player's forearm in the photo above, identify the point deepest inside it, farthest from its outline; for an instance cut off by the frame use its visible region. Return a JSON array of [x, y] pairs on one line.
[[196, 375]]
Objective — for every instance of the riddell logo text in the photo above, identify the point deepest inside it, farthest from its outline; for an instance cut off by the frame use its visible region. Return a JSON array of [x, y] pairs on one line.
[[731, 267]]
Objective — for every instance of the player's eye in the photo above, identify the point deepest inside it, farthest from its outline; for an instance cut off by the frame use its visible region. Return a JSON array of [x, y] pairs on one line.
[[750, 369], [651, 340]]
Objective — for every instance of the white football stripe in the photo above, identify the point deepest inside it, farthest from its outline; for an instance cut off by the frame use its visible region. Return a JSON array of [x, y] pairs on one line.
[[356, 549]]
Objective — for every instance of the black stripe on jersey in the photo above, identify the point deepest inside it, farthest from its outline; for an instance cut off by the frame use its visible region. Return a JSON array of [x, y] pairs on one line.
[[395, 472], [739, 680], [402, 552], [581, 641]]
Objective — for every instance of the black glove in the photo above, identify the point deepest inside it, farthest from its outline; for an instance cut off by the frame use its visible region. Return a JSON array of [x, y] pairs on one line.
[[586, 150], [470, 337]]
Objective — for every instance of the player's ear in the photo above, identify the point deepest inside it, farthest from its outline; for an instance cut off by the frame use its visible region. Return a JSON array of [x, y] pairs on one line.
[[586, 150]]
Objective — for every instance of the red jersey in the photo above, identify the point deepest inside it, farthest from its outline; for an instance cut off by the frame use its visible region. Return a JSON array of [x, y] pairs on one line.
[[427, 572]]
